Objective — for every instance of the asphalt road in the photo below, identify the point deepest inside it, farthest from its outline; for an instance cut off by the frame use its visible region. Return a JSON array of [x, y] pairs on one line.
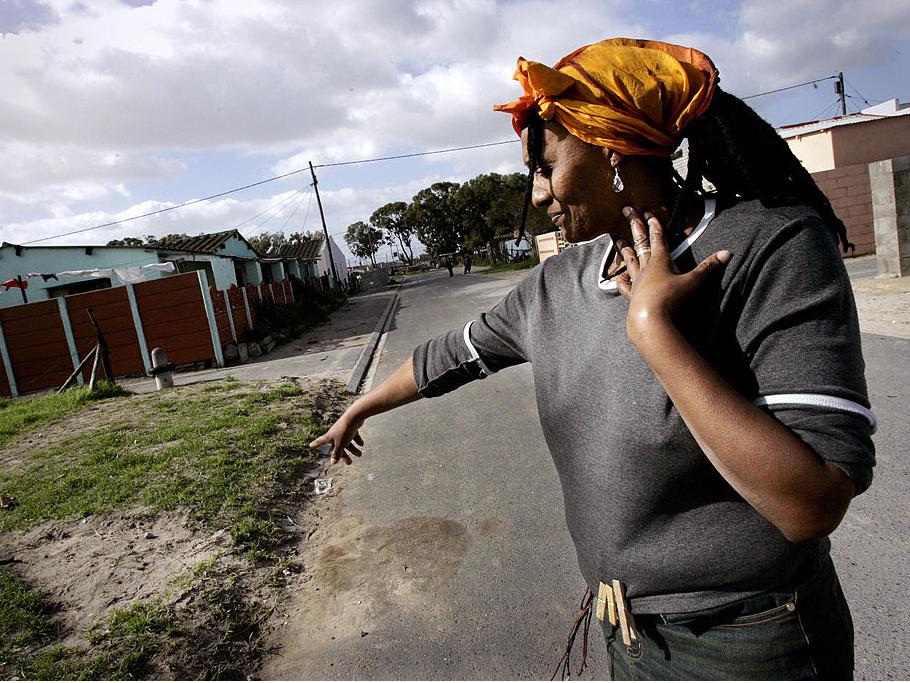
[[463, 490]]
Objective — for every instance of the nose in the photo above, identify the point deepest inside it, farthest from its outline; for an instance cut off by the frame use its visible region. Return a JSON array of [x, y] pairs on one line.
[[540, 191]]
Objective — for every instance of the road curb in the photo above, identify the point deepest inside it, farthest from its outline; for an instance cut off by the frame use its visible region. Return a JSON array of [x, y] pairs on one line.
[[363, 363]]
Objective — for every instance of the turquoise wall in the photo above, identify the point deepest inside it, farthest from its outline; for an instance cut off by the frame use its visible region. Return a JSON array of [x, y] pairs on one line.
[[235, 246], [56, 259]]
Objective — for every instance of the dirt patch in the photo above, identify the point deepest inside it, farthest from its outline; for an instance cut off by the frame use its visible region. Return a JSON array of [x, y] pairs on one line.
[[884, 305], [358, 572], [351, 325], [99, 563], [213, 594]]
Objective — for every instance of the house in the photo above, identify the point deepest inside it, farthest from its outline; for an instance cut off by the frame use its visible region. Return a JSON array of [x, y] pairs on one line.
[[226, 257], [299, 259], [838, 153], [341, 263], [18, 260]]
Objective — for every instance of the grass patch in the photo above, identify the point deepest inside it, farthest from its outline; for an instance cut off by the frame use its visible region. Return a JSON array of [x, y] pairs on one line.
[[24, 618], [514, 265], [19, 415], [131, 636], [223, 451], [136, 625], [211, 452]]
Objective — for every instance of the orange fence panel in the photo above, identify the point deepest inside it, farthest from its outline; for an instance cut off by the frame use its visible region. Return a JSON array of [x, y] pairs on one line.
[[219, 303], [238, 311], [111, 308], [182, 330], [36, 342]]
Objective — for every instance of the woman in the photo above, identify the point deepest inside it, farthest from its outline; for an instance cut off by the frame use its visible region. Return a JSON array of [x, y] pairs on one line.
[[697, 362]]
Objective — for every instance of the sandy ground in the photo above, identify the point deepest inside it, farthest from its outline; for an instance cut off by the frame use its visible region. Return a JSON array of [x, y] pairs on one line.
[[87, 567], [884, 305]]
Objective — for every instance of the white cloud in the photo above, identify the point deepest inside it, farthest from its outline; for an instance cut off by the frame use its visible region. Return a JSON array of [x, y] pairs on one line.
[[101, 95]]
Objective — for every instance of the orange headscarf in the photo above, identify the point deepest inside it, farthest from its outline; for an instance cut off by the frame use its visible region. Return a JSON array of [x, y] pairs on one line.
[[633, 96]]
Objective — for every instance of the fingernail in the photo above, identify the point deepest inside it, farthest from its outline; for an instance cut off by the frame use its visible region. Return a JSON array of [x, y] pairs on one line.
[[648, 215], [626, 211], [723, 256]]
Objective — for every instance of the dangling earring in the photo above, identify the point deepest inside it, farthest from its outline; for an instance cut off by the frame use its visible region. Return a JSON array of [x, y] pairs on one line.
[[617, 181]]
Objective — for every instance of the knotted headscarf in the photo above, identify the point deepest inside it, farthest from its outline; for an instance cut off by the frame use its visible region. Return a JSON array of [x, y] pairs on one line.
[[632, 96]]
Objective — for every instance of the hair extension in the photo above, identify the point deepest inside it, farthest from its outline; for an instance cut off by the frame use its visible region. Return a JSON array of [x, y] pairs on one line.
[[535, 133], [744, 157]]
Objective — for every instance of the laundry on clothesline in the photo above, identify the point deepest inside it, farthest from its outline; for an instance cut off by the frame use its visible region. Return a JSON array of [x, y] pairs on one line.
[[9, 284], [127, 275], [44, 276]]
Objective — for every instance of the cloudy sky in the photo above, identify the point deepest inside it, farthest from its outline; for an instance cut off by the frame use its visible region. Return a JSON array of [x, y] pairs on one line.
[[115, 108]]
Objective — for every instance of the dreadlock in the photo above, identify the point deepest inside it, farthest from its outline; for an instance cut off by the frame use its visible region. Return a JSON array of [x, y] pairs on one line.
[[535, 133], [744, 158]]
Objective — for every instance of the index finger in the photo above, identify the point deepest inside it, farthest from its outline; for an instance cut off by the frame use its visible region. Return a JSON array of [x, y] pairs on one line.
[[320, 440], [656, 234], [639, 231]]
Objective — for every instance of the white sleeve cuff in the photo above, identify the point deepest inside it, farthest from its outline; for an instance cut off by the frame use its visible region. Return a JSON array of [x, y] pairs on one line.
[[475, 357], [818, 401]]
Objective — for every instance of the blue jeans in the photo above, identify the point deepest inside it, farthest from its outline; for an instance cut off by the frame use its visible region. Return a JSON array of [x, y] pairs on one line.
[[805, 634]]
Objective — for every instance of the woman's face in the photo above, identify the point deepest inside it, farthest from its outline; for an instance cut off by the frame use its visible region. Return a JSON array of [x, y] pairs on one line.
[[573, 183]]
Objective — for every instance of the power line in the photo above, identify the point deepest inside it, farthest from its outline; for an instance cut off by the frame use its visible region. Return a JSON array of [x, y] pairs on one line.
[[830, 109], [268, 180], [416, 154], [283, 201], [790, 87], [293, 213], [309, 201], [275, 213]]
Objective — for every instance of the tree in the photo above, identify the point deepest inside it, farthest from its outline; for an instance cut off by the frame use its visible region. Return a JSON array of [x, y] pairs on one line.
[[508, 210], [394, 219], [266, 242], [152, 241], [434, 214], [363, 240], [127, 242], [491, 206], [475, 200]]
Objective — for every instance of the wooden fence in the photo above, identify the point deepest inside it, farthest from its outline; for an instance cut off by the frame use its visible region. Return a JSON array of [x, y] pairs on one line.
[[42, 342]]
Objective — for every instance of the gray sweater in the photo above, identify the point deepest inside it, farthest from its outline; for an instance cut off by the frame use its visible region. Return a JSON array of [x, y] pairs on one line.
[[643, 503]]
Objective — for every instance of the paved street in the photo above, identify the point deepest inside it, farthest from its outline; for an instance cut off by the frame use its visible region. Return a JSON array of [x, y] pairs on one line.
[[467, 479]]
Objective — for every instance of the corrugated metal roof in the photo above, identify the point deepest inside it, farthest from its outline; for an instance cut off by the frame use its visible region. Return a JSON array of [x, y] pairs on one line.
[[201, 244], [304, 251], [796, 130]]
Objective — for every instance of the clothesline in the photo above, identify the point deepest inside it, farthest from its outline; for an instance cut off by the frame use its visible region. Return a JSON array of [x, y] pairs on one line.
[[127, 275]]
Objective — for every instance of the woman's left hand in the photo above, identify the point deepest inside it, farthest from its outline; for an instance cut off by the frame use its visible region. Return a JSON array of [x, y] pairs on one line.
[[652, 284]]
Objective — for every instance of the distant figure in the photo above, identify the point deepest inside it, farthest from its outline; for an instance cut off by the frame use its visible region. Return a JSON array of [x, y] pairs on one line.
[[466, 260], [449, 264]]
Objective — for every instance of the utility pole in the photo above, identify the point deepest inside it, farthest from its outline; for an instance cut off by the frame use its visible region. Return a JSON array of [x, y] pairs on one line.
[[325, 230], [839, 89]]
